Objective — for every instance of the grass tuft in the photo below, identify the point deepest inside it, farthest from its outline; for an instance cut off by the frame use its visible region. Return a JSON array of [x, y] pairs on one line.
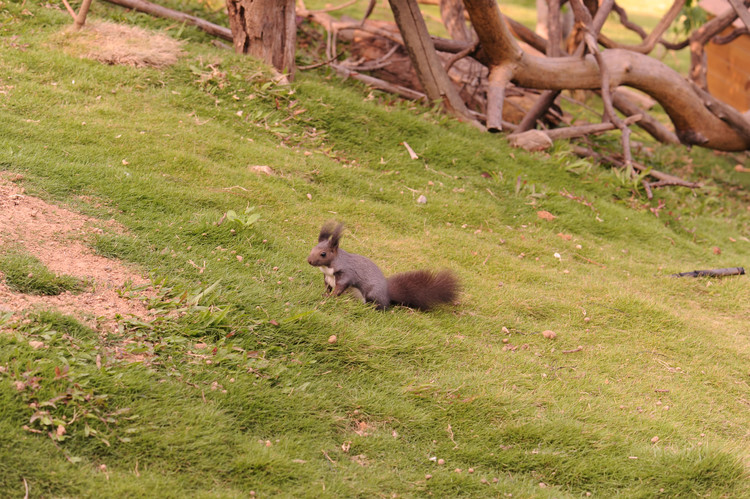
[[26, 274]]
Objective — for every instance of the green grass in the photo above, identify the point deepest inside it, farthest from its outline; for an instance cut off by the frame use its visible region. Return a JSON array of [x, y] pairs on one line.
[[26, 274], [233, 386]]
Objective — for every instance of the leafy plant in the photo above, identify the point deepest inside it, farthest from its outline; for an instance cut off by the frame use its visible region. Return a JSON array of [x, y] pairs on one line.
[[245, 219]]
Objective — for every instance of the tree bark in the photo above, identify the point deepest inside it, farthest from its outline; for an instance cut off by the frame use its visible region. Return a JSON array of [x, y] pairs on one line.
[[265, 29]]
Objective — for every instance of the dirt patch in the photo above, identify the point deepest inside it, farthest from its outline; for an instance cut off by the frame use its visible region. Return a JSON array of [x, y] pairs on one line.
[[113, 43], [54, 235]]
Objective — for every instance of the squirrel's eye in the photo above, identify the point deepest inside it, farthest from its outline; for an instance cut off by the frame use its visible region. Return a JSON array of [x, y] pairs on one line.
[[323, 254]]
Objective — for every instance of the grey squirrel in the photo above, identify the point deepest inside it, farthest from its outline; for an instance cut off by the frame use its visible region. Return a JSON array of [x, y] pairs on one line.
[[421, 289]]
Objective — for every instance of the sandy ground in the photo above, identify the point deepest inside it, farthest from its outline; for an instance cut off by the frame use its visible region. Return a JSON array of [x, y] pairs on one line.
[[55, 236]]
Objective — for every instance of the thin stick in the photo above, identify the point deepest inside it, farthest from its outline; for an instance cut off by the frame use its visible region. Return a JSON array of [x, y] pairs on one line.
[[468, 50], [331, 9], [70, 9], [319, 64], [328, 457], [574, 350], [404, 92]]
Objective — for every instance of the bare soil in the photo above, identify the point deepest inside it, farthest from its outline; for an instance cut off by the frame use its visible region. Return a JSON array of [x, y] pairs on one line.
[[56, 236]]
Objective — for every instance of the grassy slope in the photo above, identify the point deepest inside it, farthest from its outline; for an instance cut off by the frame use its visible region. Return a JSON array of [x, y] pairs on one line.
[[279, 410]]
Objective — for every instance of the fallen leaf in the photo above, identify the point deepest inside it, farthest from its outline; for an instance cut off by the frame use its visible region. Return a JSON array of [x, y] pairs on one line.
[[550, 335], [567, 237], [716, 250], [332, 339], [36, 345], [267, 170], [545, 215]]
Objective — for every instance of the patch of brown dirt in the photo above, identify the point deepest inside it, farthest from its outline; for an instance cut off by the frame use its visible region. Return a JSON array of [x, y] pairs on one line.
[[54, 235], [113, 43]]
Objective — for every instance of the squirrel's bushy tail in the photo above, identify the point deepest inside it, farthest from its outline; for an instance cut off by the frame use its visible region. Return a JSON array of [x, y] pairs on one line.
[[423, 289]]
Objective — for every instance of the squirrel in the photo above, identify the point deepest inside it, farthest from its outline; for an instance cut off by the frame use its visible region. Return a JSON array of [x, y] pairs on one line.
[[420, 289]]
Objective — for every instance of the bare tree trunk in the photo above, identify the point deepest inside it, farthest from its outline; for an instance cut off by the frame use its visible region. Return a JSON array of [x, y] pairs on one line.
[[432, 75], [80, 19], [265, 29]]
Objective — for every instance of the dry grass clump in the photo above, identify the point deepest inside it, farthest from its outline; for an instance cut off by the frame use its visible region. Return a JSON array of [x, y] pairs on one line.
[[113, 43]]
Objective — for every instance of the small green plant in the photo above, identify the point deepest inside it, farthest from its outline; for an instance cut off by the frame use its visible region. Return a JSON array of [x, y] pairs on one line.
[[26, 274], [246, 219]]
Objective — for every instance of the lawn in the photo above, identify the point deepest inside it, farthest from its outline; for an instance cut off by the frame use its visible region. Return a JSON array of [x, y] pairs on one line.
[[233, 386]]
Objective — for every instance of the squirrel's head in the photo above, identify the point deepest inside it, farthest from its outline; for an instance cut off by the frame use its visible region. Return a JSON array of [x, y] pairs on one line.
[[328, 245]]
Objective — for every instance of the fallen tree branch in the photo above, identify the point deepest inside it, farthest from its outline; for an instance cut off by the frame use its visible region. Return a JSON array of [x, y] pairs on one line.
[[404, 92], [649, 41], [335, 7], [159, 11], [592, 129], [724, 112], [591, 31], [666, 178], [69, 9], [320, 64], [434, 79], [694, 123], [647, 122], [542, 104], [712, 273], [460, 55]]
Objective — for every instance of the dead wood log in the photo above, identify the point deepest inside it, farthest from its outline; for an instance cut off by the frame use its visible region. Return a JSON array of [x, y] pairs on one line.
[[712, 273]]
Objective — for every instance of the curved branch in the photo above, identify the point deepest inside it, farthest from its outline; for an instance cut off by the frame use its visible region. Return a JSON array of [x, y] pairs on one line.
[[650, 41], [723, 40], [694, 123]]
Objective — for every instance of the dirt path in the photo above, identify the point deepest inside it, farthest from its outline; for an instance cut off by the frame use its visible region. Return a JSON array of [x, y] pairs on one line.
[[54, 235]]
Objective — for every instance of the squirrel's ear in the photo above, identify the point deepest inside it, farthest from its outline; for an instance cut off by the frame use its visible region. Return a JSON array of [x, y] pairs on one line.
[[331, 230], [326, 231], [336, 235]]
